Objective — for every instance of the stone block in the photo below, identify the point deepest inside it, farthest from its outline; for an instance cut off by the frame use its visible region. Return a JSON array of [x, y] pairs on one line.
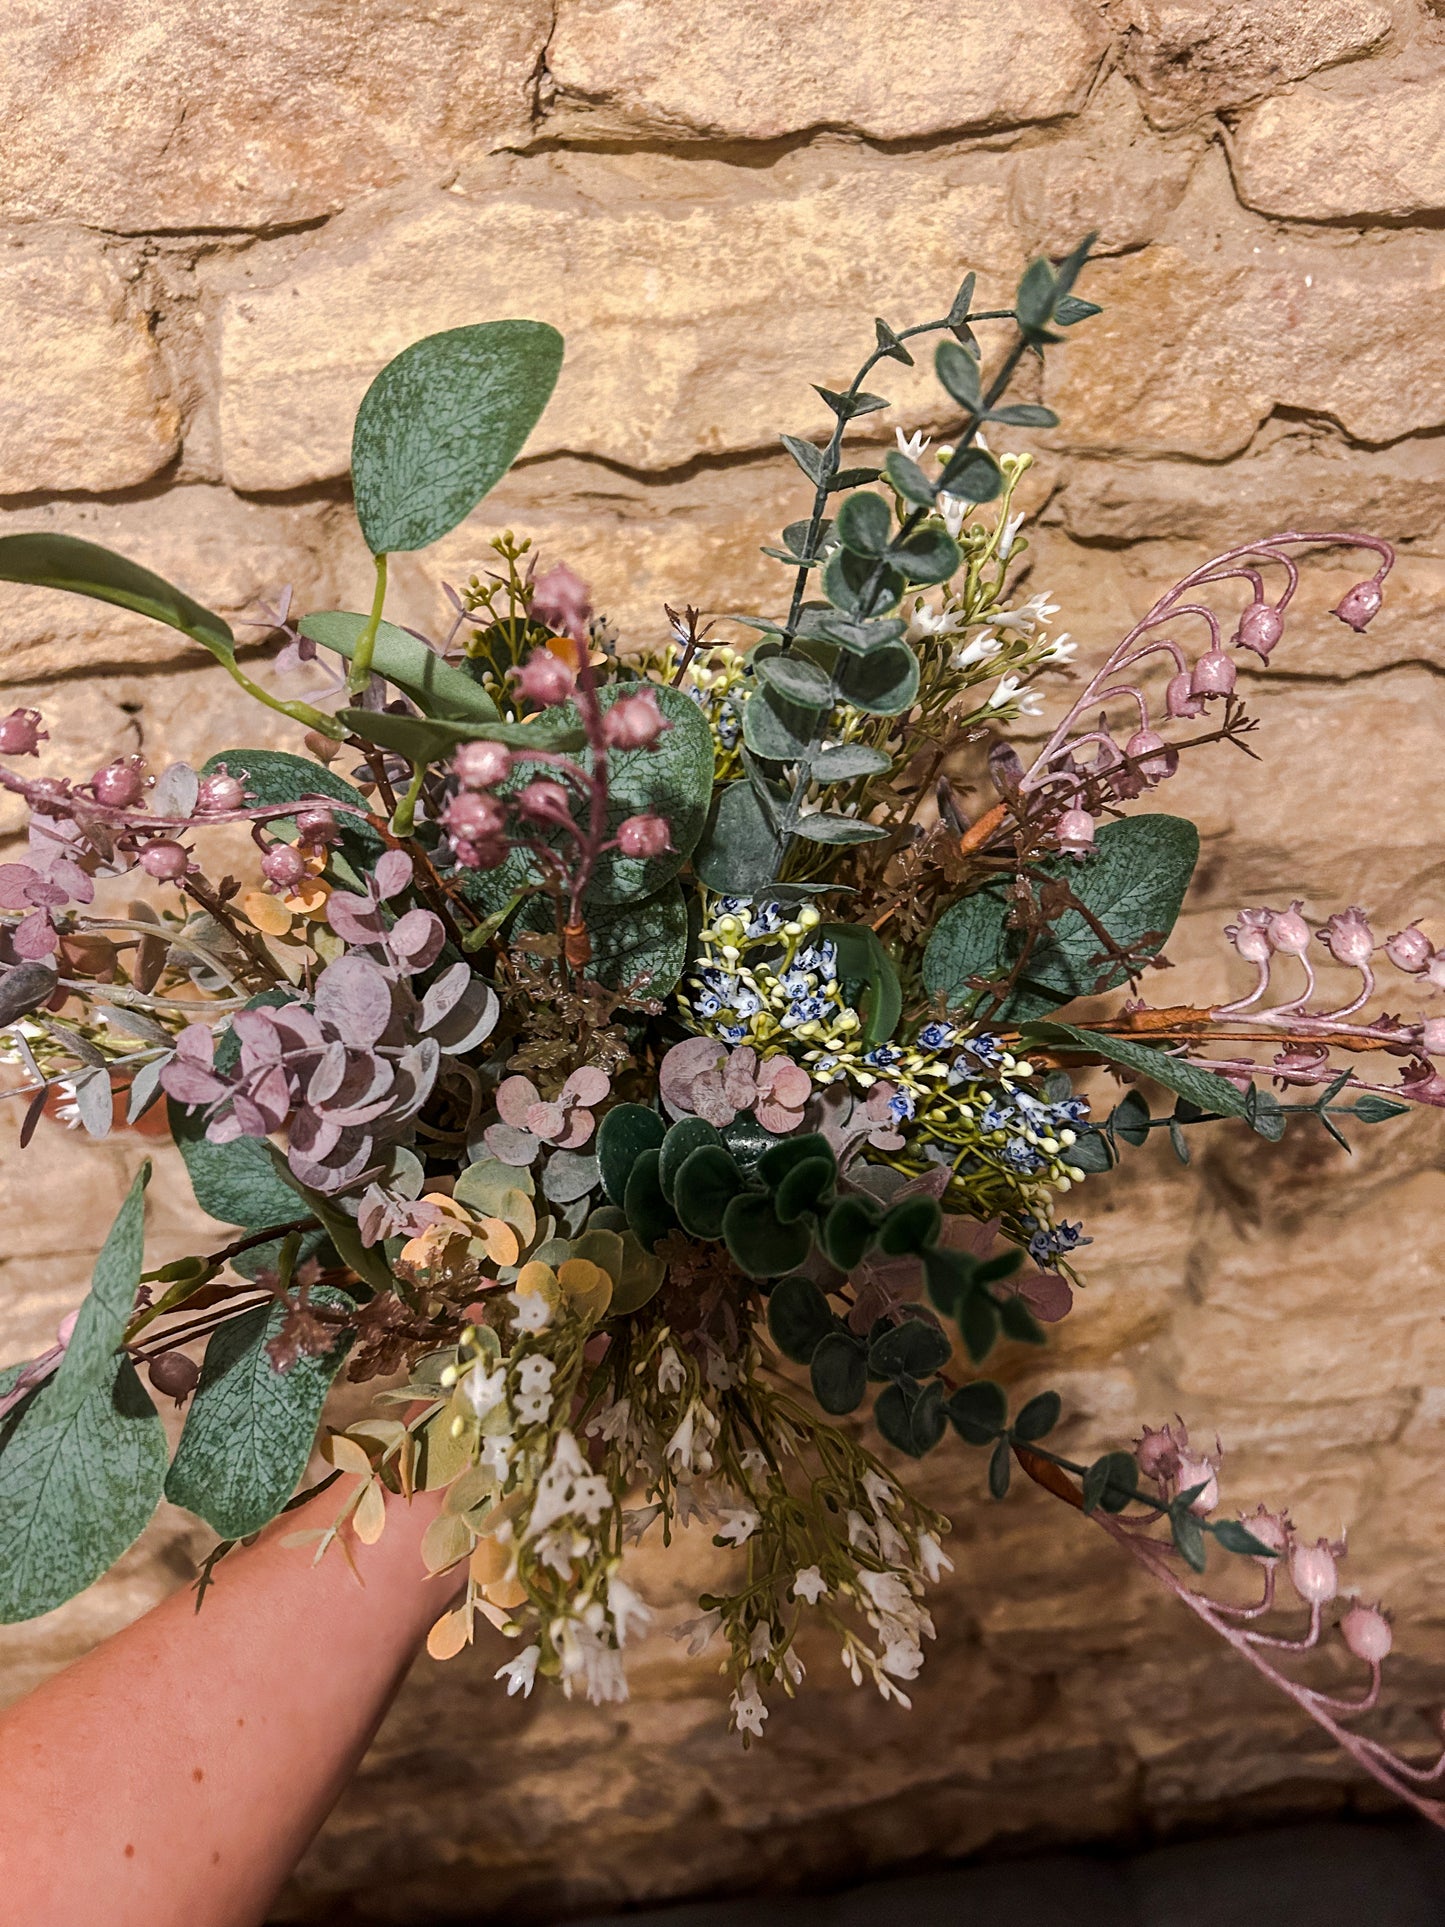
[[1330, 153]]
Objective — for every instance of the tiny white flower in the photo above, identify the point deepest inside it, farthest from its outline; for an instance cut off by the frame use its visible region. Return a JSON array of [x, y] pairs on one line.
[[953, 508], [1031, 703], [497, 1455], [761, 1643], [793, 1667], [888, 1593], [1006, 691], [809, 1584], [913, 446], [519, 1673], [535, 1373], [530, 1310], [881, 1495], [861, 1535], [670, 1375], [484, 1391], [903, 1658], [737, 1526], [629, 1610], [1010, 535], [982, 649], [698, 1632], [932, 1558], [1060, 649], [747, 1706], [636, 1523]]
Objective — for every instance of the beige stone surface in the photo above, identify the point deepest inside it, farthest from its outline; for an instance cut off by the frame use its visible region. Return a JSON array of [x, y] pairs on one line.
[[1194, 57], [223, 224], [751, 70], [81, 388], [145, 115], [1320, 153]]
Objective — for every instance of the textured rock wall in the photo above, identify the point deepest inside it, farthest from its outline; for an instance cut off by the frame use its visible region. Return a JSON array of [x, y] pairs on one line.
[[217, 224]]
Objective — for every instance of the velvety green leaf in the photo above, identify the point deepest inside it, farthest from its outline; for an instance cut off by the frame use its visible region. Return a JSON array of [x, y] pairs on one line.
[[706, 1185], [912, 1349], [979, 1411], [797, 681], [250, 1429], [740, 852], [626, 1131], [1091, 1153], [1111, 1482], [804, 1189], [785, 1153], [1037, 292], [442, 423], [1000, 1466], [437, 687], [848, 762], [864, 524], [107, 1307], [235, 1182], [909, 479], [1019, 1323], [839, 1373], [78, 1484], [884, 682], [761, 1245], [799, 1318], [949, 1276], [1201, 1087], [648, 1212], [808, 457], [860, 586], [890, 344], [1131, 1120], [1188, 1539], [858, 635], [1071, 310], [1024, 414], [972, 475], [689, 1134], [958, 371], [421, 740], [848, 1231], [978, 1323], [931, 555], [1039, 1416], [828, 828], [930, 1419], [909, 1227], [846, 407], [777, 730]]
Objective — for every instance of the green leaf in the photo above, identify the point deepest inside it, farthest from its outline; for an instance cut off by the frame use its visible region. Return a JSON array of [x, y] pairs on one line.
[[624, 1134], [442, 423], [839, 1374], [640, 940], [912, 1350], [848, 762], [78, 1485], [1376, 1110], [1188, 1538], [1235, 1536], [706, 1185], [860, 586], [1134, 885], [884, 682], [868, 977], [797, 680], [105, 1313], [890, 344], [847, 478], [672, 779], [53, 561], [689, 1134], [893, 1415], [958, 371], [250, 1428], [857, 635], [1111, 1482], [235, 1182], [1000, 1466], [740, 852], [930, 1419], [910, 1227], [845, 407], [1071, 310], [437, 687], [864, 524], [949, 1275], [276, 776], [931, 555], [422, 740], [1130, 1120], [808, 457], [1039, 1416], [760, 1244], [786, 1153], [1201, 1087], [909, 479], [962, 301], [1034, 302], [972, 475], [825, 827], [1019, 1323], [777, 730], [648, 1212], [1091, 1153], [848, 1231], [799, 1319], [804, 1189], [978, 1323], [979, 1411], [1024, 414]]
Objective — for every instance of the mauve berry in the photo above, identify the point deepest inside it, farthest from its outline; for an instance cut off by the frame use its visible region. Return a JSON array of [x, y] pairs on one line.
[[479, 856], [562, 601], [283, 866], [1260, 628], [1075, 831], [544, 802], [1214, 674], [316, 828], [1313, 1572], [543, 679], [1410, 950], [1151, 756], [21, 734], [1348, 938], [474, 817], [1435, 969], [643, 836], [219, 793], [1432, 1037], [165, 860], [120, 784], [1359, 606], [1367, 1633], [1157, 1452], [1288, 931], [479, 765], [634, 721], [1198, 1471], [1270, 1528], [1250, 936], [1179, 697], [173, 1374]]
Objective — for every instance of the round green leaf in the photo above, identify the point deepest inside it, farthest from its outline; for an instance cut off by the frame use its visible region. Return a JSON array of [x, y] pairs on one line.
[[707, 1182], [912, 1349], [649, 1214], [860, 586], [1039, 1416], [644, 941], [909, 1227], [799, 1318], [848, 1231], [893, 1415], [689, 1134], [797, 680], [864, 524], [884, 682], [442, 423], [740, 852], [804, 1189], [623, 1135], [979, 1411], [761, 1245], [839, 1373]]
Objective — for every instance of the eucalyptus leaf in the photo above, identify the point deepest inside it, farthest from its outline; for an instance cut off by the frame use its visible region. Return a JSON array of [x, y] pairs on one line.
[[972, 475], [909, 479], [808, 457], [864, 524], [442, 423], [740, 851], [847, 762], [958, 371], [860, 586], [436, 686], [824, 827], [931, 555], [797, 681], [884, 682], [107, 1307]]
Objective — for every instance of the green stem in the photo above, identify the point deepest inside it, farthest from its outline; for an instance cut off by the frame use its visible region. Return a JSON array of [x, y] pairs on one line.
[[366, 642], [405, 816]]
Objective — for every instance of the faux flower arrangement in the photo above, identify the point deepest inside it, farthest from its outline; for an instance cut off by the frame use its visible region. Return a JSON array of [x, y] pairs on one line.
[[640, 1062]]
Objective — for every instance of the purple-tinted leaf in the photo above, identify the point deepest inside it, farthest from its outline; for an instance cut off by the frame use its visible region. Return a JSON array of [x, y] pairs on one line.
[[197, 1044], [16, 882], [416, 1073], [444, 995], [314, 1135], [542, 1120], [516, 1097], [586, 1086], [347, 1161], [34, 936], [145, 1087], [297, 1028], [471, 1022], [69, 877], [191, 1083], [354, 919], [509, 1145], [417, 938], [249, 1120], [325, 1079], [392, 874], [271, 1095], [353, 996]]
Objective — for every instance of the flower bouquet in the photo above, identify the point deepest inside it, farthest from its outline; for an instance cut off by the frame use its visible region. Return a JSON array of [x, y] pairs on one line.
[[648, 1061]]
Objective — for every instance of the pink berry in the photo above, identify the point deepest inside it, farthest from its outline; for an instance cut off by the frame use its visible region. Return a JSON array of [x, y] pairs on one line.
[[21, 734], [1260, 628], [1432, 1037], [1313, 1572], [479, 856], [480, 765], [643, 836], [1075, 832], [1151, 756], [1270, 1528], [219, 793], [560, 600], [1214, 675], [545, 802], [1250, 936], [283, 866], [1359, 606], [1367, 1633], [1180, 699], [165, 860], [1157, 1452], [1289, 932], [473, 817], [1348, 938], [1435, 969], [120, 784], [1410, 950], [316, 828], [544, 680], [634, 721], [1198, 1471]]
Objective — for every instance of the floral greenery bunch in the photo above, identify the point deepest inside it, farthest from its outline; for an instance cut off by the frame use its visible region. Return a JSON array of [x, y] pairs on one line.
[[640, 1063]]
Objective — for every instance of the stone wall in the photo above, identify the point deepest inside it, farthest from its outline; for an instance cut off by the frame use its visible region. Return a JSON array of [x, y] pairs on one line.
[[218, 222]]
